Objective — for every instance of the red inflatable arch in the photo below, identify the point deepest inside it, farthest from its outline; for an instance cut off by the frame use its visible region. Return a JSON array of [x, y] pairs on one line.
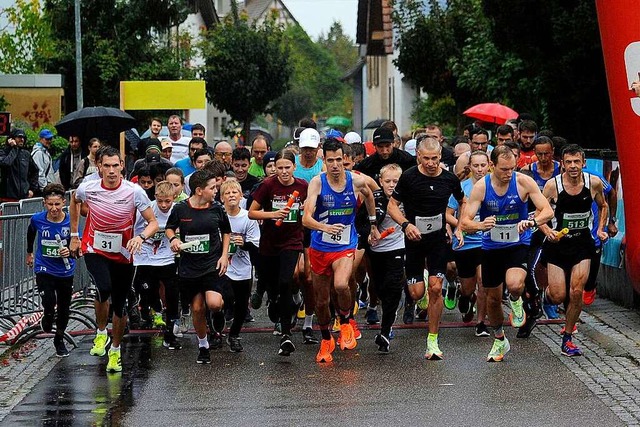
[[619, 22]]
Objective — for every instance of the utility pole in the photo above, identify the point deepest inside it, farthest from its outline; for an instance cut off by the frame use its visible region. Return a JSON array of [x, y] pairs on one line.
[[79, 96]]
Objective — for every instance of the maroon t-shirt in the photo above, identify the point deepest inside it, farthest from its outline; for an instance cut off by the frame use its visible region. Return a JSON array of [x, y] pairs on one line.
[[273, 196]]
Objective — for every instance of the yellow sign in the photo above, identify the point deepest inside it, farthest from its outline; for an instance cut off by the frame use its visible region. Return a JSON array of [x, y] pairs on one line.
[[163, 95]]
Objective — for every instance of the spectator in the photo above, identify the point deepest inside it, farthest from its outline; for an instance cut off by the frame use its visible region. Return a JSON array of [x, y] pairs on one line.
[[259, 148], [167, 148], [197, 131], [70, 158], [19, 172], [180, 143], [187, 165], [222, 151], [43, 160], [155, 127], [87, 165]]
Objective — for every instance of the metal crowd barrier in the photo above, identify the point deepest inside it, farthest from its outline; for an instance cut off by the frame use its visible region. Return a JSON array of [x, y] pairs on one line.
[[18, 293]]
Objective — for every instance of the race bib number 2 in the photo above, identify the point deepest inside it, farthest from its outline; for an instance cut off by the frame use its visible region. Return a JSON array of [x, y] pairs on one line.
[[107, 242], [429, 224]]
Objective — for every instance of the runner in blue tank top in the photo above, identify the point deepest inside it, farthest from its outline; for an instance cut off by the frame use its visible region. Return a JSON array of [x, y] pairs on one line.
[[502, 199], [330, 212]]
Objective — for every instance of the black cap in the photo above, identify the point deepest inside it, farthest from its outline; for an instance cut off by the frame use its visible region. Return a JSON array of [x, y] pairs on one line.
[[18, 133], [297, 132], [383, 135], [152, 158]]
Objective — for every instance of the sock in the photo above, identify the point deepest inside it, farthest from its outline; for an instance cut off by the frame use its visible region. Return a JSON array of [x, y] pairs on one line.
[[498, 333], [115, 349], [203, 342], [308, 321], [324, 331], [101, 332], [566, 337], [432, 337]]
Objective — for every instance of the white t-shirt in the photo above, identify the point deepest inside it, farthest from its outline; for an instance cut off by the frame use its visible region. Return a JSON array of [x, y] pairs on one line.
[[393, 241], [156, 250], [180, 149], [240, 265]]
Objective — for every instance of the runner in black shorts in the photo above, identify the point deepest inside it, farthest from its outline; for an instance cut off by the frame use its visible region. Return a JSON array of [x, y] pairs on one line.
[[569, 257], [204, 223], [425, 190]]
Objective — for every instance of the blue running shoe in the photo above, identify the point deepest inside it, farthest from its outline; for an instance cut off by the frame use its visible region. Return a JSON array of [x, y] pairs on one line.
[[372, 316], [569, 349], [551, 311]]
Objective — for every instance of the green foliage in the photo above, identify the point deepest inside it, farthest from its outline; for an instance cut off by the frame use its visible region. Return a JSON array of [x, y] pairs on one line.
[[58, 145], [121, 40], [342, 47], [246, 66], [4, 104], [293, 106], [25, 39], [438, 111]]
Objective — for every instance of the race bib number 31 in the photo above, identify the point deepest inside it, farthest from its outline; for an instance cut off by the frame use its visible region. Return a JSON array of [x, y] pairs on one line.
[[505, 233], [107, 242]]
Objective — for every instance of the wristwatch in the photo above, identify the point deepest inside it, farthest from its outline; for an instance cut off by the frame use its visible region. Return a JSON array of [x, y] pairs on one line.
[[142, 236], [613, 219], [405, 225]]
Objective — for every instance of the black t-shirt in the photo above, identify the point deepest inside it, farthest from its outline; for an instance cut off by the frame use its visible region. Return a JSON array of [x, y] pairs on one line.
[[205, 225], [371, 165], [426, 197], [447, 157], [248, 184]]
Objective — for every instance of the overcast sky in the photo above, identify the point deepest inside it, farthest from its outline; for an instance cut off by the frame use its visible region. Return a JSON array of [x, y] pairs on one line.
[[316, 16]]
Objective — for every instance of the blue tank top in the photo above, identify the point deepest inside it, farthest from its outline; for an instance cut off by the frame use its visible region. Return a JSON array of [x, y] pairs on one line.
[[335, 208], [509, 210], [473, 240], [46, 251], [540, 180], [307, 173]]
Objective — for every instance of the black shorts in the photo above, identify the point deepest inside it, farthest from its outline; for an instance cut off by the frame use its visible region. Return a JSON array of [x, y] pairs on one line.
[[190, 287], [569, 251], [154, 274], [467, 262], [111, 279], [433, 249], [496, 262]]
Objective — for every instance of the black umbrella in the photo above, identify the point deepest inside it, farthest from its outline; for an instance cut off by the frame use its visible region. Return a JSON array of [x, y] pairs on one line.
[[375, 124], [96, 122]]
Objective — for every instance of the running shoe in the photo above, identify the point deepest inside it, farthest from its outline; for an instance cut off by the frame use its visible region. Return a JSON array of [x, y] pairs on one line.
[[356, 307], [372, 316], [517, 316], [249, 318], [115, 361], [61, 349], [326, 348], [451, 296], [498, 350], [277, 329], [409, 313], [550, 311], [336, 325], [356, 331], [185, 322], [392, 334], [255, 300], [362, 304], [46, 323], [568, 348], [433, 351], [100, 343], [157, 321], [176, 329], [347, 338], [564, 329], [215, 340], [383, 343], [286, 346], [467, 315], [423, 303], [482, 330], [172, 344], [301, 312], [308, 336], [204, 356], [525, 330], [588, 297], [234, 344]]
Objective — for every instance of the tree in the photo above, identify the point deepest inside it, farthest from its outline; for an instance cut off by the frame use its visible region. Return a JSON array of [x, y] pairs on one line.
[[246, 66], [293, 106], [25, 39], [341, 47], [121, 40]]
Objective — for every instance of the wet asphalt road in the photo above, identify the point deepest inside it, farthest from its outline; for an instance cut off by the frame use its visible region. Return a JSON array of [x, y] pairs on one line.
[[361, 387]]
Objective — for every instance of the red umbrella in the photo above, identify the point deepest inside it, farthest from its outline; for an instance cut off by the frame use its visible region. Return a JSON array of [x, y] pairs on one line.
[[491, 113]]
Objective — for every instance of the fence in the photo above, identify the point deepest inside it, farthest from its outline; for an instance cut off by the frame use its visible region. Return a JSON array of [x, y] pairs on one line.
[[19, 298]]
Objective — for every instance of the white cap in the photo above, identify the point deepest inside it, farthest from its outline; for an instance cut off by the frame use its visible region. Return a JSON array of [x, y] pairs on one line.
[[352, 138], [410, 147], [309, 138]]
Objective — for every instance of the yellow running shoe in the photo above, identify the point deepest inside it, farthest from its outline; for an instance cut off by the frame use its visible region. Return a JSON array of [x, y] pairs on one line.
[[301, 312], [100, 343], [158, 321], [115, 361], [336, 325]]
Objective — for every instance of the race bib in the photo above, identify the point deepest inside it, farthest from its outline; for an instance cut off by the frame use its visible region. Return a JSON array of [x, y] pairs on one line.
[[158, 236], [49, 249], [574, 221], [429, 224], [505, 233], [294, 213], [203, 244], [107, 242], [233, 248], [342, 238]]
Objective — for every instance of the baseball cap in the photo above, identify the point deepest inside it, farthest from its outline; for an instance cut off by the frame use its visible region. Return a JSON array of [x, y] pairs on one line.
[[270, 156], [152, 158], [352, 138], [410, 147], [309, 138], [46, 134], [18, 133], [166, 143], [382, 135], [335, 134]]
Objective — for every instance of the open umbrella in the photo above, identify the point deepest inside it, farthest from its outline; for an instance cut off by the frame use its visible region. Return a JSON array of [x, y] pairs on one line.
[[338, 121], [100, 122], [375, 124], [492, 112]]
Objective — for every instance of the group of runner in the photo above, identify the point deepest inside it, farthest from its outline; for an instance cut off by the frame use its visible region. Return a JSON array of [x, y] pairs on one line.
[[311, 230]]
